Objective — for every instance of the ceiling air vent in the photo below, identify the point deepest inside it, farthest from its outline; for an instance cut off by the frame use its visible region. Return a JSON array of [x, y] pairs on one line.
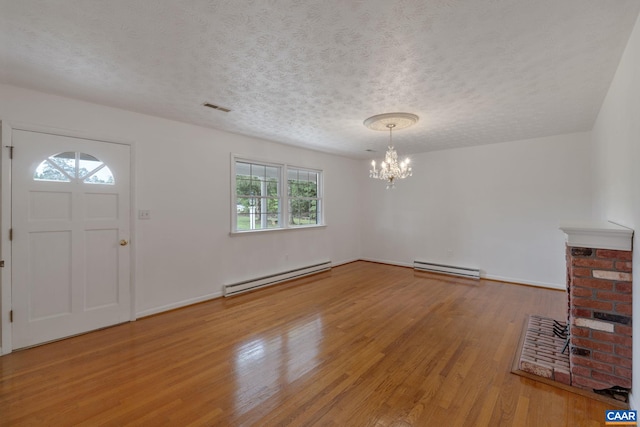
[[216, 107]]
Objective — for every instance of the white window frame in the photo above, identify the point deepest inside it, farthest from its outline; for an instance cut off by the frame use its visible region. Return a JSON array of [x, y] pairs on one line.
[[283, 195], [318, 198]]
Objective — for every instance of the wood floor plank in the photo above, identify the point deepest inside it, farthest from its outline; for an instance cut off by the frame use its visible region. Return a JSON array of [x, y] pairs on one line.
[[364, 344]]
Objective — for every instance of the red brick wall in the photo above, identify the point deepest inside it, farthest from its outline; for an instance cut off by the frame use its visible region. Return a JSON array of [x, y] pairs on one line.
[[599, 288]]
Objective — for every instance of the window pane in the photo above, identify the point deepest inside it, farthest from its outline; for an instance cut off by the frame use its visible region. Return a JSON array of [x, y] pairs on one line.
[[272, 172], [242, 205], [46, 171], [302, 183], [243, 169], [257, 204], [258, 171], [272, 221], [242, 184], [66, 162], [272, 187], [63, 167], [248, 186], [311, 189], [243, 221], [87, 164], [101, 176], [303, 212], [273, 206]]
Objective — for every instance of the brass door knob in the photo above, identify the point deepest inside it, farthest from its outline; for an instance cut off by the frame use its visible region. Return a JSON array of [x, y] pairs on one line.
[[123, 242]]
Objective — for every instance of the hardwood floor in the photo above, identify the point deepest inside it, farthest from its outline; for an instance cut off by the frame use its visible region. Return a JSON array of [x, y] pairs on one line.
[[362, 345]]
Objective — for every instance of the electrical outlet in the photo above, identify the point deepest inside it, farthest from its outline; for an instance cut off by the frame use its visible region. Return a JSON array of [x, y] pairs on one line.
[[144, 214]]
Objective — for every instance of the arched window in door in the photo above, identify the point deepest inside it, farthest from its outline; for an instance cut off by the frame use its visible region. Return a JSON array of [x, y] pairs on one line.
[[74, 167]]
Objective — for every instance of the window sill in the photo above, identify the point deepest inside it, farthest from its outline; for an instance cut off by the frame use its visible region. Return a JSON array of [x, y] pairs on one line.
[[272, 230]]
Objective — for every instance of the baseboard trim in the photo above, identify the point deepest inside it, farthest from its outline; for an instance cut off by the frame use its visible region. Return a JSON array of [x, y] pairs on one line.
[[483, 275], [349, 261], [184, 303], [388, 262], [180, 304], [524, 282]]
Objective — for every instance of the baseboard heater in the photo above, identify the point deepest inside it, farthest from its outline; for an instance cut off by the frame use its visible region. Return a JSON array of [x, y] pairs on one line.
[[249, 285], [447, 269]]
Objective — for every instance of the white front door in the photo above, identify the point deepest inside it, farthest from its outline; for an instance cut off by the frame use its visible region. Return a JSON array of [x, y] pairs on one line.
[[70, 226]]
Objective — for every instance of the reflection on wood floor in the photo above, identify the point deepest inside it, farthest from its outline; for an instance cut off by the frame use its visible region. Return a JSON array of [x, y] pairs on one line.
[[362, 345]]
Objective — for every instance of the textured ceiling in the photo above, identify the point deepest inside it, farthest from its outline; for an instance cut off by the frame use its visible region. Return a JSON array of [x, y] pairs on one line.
[[308, 73]]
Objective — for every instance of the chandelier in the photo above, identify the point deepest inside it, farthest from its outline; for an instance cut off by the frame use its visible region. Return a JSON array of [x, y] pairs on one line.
[[391, 169]]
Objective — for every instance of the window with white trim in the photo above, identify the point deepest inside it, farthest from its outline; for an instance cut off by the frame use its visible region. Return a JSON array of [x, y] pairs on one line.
[[304, 199], [74, 167], [274, 196]]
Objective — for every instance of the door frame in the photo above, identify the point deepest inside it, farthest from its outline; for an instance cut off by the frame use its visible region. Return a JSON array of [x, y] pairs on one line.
[[5, 217]]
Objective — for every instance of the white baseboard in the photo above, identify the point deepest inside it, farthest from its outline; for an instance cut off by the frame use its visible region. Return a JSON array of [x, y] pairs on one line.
[[386, 261], [184, 303], [349, 261], [187, 302], [179, 304], [562, 287], [482, 275]]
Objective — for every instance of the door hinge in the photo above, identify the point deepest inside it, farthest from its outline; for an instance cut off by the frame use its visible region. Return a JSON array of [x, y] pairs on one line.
[[11, 316], [11, 234], [10, 147], [2, 263]]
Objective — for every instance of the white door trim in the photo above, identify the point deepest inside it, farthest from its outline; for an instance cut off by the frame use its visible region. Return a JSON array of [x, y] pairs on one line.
[[5, 244], [5, 217]]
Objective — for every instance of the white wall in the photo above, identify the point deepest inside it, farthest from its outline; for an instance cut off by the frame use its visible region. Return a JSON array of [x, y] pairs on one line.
[[616, 141], [495, 207], [184, 253]]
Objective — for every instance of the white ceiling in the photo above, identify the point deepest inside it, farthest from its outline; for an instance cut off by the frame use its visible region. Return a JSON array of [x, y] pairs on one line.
[[308, 73]]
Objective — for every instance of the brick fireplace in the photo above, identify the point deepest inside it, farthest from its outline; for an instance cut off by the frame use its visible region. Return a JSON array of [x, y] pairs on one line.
[[599, 304]]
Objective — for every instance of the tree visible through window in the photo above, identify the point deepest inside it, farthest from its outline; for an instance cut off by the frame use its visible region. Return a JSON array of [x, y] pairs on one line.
[[257, 196], [74, 166], [260, 203], [304, 203]]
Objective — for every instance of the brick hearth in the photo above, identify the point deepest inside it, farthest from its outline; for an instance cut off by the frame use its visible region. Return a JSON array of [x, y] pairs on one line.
[[542, 351]]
